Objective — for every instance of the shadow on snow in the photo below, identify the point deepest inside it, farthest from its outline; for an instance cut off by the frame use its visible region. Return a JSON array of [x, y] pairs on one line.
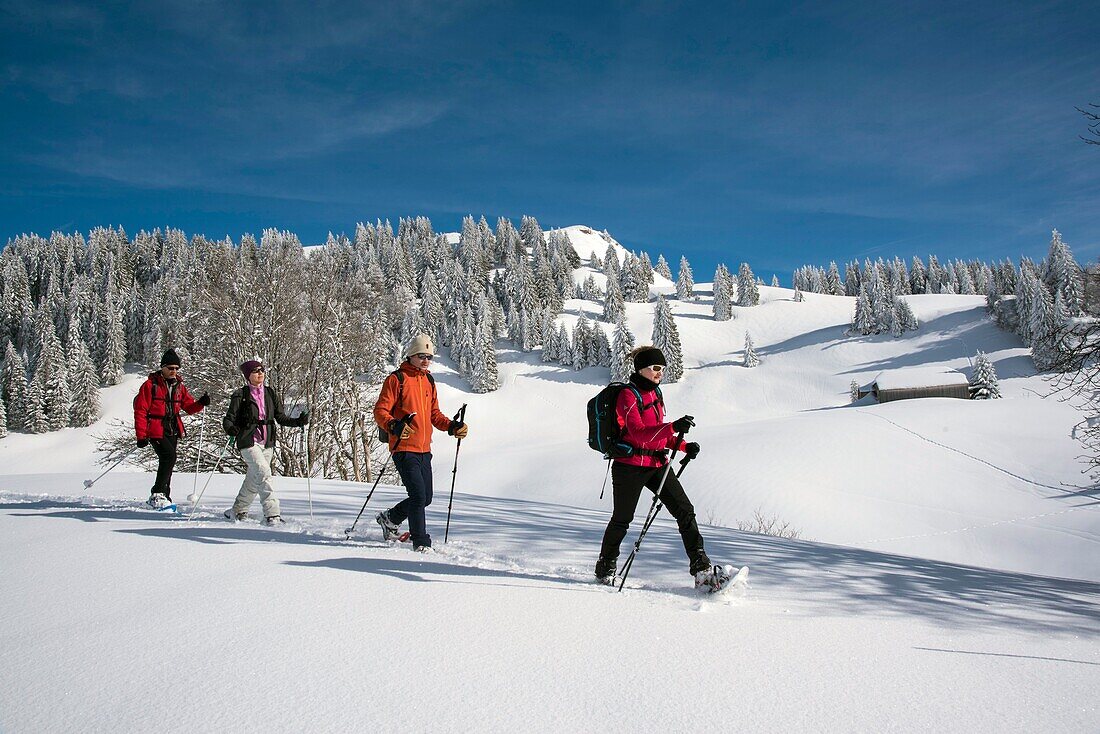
[[556, 545]]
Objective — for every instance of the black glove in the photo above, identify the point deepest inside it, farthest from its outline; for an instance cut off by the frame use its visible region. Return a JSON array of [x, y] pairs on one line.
[[204, 400], [692, 450], [684, 424], [303, 418], [453, 427], [142, 443]]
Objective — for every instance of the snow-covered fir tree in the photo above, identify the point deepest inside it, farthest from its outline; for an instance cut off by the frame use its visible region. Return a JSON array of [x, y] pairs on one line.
[[1063, 274], [798, 297], [1043, 328], [723, 294], [484, 375], [748, 294], [114, 346], [565, 346], [3, 420], [983, 381], [918, 276], [601, 346], [551, 346], [84, 386], [662, 269], [636, 277], [613, 307], [666, 337], [50, 371], [35, 419], [13, 382], [906, 319], [621, 346], [853, 391], [611, 266], [685, 281], [645, 269], [775, 281], [832, 285], [863, 320], [751, 358], [590, 291]]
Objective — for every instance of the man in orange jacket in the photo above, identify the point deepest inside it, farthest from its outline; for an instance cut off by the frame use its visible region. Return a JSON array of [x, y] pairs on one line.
[[407, 409]]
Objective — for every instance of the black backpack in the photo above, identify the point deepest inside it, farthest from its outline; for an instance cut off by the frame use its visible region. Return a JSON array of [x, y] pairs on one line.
[[604, 433], [383, 434]]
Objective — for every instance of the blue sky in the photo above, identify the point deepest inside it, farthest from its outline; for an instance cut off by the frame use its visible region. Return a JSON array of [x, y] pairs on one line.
[[775, 133]]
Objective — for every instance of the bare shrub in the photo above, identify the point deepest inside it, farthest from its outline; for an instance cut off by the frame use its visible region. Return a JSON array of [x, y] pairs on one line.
[[762, 524]]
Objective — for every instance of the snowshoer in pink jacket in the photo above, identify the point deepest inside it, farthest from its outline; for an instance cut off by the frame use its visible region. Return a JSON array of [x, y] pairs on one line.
[[644, 428]]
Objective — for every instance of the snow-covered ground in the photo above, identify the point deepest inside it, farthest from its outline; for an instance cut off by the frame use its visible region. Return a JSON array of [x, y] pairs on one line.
[[947, 577]]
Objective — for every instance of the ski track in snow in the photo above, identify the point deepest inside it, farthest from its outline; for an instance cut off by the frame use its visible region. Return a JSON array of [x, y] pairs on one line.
[[1060, 490]]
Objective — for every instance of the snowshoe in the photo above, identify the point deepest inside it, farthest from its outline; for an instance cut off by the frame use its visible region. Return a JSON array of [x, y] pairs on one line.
[[720, 578], [235, 517], [275, 520], [423, 549], [158, 501], [390, 531]]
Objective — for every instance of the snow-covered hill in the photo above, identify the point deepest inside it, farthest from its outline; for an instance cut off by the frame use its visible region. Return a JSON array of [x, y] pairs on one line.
[[947, 578]]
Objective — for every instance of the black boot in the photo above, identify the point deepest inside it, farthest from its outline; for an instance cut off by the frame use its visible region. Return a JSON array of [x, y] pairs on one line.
[[605, 570], [701, 563]]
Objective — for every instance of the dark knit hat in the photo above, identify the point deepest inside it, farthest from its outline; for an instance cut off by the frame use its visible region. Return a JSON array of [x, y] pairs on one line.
[[648, 358], [247, 368], [170, 358]]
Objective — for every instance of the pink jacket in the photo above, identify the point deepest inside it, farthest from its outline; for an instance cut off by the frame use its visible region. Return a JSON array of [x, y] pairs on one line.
[[644, 428]]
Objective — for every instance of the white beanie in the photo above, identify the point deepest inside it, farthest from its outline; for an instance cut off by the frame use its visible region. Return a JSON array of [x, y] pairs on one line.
[[421, 344]]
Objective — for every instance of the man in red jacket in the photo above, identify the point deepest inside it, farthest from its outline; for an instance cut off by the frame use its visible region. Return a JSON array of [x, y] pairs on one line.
[[157, 421]]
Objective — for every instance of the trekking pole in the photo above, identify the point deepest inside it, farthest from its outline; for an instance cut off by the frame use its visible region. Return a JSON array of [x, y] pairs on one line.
[[309, 469], [654, 508], [198, 458], [605, 476], [89, 482], [195, 504], [402, 423], [460, 416]]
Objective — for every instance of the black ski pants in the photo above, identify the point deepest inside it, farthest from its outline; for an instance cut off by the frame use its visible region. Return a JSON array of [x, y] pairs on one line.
[[627, 482], [166, 462]]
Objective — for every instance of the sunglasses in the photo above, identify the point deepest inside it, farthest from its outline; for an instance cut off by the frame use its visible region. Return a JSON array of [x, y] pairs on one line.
[[258, 369], [657, 367], [423, 356]]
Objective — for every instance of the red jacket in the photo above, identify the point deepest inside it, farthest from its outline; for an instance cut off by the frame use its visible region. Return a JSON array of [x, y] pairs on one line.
[[644, 426], [417, 396], [151, 406]]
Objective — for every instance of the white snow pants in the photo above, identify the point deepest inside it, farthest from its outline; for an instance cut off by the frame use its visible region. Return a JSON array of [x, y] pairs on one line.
[[257, 481]]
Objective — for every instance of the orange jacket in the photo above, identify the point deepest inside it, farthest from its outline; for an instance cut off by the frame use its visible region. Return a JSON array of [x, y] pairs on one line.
[[417, 396]]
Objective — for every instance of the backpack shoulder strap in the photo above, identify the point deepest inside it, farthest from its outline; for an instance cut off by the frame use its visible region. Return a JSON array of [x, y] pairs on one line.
[[400, 385]]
